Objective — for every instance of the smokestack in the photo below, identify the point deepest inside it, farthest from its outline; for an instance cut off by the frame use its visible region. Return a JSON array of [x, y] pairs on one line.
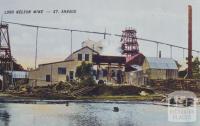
[[189, 41]]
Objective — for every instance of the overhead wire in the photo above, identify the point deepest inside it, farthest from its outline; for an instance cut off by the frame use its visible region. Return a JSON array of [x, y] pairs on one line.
[[95, 32]]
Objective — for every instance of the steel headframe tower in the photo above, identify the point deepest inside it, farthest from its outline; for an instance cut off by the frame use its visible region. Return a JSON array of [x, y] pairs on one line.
[[5, 54], [189, 74], [129, 43]]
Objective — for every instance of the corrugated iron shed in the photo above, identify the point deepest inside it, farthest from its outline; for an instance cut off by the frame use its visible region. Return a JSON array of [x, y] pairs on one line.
[[161, 63], [19, 74]]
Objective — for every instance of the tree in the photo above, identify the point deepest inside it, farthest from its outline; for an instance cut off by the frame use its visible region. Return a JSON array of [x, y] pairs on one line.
[[196, 68], [84, 73]]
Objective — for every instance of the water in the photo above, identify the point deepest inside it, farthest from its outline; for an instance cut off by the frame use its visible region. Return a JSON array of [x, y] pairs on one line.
[[86, 114]]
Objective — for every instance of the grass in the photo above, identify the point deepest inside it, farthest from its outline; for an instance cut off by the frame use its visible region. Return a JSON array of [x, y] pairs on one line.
[[125, 98], [126, 93]]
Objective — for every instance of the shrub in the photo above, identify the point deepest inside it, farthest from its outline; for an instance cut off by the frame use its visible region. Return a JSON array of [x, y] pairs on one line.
[[88, 82], [84, 73]]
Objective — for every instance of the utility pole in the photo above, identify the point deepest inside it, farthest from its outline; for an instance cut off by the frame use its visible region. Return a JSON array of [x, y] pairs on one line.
[[71, 42], [104, 36], [36, 47]]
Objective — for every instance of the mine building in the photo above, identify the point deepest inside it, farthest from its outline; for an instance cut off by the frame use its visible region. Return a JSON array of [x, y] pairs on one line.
[[131, 68], [50, 73], [110, 69], [160, 68]]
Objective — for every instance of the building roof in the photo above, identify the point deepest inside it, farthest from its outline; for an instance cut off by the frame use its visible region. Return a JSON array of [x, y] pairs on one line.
[[137, 59], [108, 59], [182, 93], [84, 48], [70, 56], [161, 63], [54, 62], [18, 74]]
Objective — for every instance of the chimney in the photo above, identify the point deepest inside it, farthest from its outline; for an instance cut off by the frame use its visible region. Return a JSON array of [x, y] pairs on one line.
[[189, 41]]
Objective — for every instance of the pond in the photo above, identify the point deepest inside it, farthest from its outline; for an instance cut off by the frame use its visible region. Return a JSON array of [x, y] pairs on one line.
[[86, 114]]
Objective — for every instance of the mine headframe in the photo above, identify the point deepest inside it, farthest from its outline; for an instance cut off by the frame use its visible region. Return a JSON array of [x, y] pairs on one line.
[[129, 45], [6, 61]]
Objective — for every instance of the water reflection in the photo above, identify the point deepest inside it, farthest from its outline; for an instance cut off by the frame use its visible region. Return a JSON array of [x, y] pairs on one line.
[[102, 115], [84, 114], [4, 118]]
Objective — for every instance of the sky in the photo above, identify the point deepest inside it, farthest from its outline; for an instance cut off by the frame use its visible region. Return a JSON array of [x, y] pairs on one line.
[[161, 20]]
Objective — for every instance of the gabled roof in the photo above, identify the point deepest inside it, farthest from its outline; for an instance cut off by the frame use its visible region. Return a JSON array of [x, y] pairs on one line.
[[70, 56], [84, 48], [161, 63]]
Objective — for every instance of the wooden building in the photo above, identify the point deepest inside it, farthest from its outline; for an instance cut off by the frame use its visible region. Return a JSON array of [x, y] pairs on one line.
[[160, 68], [133, 70], [110, 69], [51, 73], [107, 68]]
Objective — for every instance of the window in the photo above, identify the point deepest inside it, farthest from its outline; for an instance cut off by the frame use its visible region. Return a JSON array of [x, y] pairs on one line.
[[71, 75], [80, 57], [48, 78], [61, 70], [113, 73], [86, 57], [94, 72], [105, 72]]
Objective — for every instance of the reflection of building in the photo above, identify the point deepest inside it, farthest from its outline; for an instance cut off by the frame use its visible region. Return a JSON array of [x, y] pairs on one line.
[[4, 118]]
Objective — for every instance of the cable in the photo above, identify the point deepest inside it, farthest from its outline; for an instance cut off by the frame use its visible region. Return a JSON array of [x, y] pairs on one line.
[[93, 32], [54, 28]]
